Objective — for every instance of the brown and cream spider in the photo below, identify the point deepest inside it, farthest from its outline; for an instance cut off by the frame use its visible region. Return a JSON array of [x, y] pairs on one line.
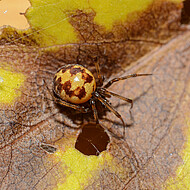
[[74, 86]]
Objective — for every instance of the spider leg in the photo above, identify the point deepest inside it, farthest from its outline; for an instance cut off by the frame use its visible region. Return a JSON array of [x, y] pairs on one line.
[[67, 104], [106, 92], [93, 104], [76, 107], [124, 78], [100, 78], [103, 101]]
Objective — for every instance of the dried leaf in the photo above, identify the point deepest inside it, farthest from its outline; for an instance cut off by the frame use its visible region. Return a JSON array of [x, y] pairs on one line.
[[152, 148]]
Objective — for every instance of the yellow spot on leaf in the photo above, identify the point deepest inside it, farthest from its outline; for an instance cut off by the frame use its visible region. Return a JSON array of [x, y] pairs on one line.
[[182, 178], [51, 18], [10, 83], [111, 11], [80, 169]]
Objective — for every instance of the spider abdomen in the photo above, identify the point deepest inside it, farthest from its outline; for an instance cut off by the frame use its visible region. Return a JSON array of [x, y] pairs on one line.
[[74, 83]]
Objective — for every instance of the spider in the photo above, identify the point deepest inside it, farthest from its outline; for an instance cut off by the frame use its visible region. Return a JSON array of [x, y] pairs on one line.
[[74, 85]]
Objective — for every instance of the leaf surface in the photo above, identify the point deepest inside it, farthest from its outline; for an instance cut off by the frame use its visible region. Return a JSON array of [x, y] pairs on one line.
[[154, 145]]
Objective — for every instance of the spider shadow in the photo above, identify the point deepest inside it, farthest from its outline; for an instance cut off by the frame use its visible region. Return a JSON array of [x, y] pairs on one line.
[[78, 118]]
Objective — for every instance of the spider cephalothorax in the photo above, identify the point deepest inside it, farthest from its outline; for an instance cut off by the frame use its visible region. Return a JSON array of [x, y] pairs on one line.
[[75, 85]]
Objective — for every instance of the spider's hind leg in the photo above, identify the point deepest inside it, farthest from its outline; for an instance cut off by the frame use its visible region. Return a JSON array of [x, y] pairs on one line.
[[93, 104], [107, 104]]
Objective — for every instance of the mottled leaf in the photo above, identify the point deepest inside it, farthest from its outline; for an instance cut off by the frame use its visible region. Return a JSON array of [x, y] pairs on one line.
[[154, 145]]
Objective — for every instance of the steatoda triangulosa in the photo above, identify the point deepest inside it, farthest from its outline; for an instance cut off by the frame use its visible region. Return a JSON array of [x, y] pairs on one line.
[[74, 85]]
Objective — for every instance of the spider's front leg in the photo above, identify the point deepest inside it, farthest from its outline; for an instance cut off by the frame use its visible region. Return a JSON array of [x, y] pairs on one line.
[[104, 92], [123, 78]]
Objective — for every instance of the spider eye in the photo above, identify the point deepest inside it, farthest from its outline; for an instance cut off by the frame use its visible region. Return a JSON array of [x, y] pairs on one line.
[[74, 83]]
